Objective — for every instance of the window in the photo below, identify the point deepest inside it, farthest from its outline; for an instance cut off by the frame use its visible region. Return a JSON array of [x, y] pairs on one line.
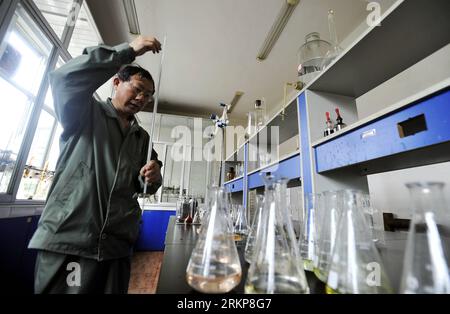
[[24, 55], [41, 162], [56, 12]]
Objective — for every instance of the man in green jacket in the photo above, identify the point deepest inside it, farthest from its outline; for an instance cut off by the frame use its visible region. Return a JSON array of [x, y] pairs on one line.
[[91, 219]]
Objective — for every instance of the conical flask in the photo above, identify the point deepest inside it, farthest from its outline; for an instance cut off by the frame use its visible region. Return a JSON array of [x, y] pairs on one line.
[[214, 266], [356, 266], [328, 230], [308, 235], [241, 224], [254, 230], [277, 265], [427, 256]]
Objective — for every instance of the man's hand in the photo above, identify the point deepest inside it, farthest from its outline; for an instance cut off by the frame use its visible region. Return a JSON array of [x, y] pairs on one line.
[[142, 44], [151, 172]]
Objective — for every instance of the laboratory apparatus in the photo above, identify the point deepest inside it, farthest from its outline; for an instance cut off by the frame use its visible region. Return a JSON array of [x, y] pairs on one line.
[[311, 56], [277, 266], [254, 230], [356, 266], [427, 256], [214, 265]]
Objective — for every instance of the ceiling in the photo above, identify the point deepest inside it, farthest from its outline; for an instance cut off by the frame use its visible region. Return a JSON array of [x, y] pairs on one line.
[[212, 46]]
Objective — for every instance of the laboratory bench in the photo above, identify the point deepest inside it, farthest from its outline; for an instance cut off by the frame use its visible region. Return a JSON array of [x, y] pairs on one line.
[[181, 239]]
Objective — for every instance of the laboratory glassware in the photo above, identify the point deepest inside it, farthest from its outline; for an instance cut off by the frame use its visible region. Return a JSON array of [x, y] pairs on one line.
[[356, 266], [214, 265], [329, 129], [339, 121], [328, 230], [308, 235], [335, 49], [254, 230], [241, 224], [427, 255], [277, 266], [311, 57]]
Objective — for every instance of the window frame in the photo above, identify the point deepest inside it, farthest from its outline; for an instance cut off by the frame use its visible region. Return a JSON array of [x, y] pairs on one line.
[[59, 50]]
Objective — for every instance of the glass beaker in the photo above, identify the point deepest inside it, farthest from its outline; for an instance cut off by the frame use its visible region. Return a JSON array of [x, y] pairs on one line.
[[308, 235], [214, 266], [356, 266], [277, 265], [328, 229], [427, 255], [311, 57], [254, 230], [374, 219]]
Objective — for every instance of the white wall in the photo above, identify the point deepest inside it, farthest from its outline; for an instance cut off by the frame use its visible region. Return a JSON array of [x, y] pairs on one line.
[[388, 190]]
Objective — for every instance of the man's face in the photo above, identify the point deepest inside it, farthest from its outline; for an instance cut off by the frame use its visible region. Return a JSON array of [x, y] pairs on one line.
[[132, 96]]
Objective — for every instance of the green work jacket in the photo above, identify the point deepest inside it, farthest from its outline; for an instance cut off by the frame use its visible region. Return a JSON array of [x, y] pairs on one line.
[[92, 209]]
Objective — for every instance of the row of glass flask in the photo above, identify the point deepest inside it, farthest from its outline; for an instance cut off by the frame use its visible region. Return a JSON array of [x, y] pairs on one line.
[[336, 241]]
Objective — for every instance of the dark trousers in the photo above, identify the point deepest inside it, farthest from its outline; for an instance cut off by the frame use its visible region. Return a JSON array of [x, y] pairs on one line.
[[57, 273]]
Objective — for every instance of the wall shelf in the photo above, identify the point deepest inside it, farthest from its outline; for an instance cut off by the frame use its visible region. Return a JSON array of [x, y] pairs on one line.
[[410, 31], [382, 137]]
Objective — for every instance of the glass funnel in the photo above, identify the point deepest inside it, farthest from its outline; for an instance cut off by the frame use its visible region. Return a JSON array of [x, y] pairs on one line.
[[311, 56], [335, 49], [214, 266], [277, 265], [356, 266], [328, 230], [254, 230], [308, 235], [427, 256]]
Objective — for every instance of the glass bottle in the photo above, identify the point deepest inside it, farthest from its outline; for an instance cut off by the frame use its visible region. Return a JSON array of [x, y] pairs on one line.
[[254, 230], [339, 121], [329, 129], [179, 212], [277, 265], [190, 213], [311, 57], [259, 114], [356, 266], [214, 266], [427, 256], [328, 231]]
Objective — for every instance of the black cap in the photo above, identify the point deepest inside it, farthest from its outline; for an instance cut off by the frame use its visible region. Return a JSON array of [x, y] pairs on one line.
[[258, 103]]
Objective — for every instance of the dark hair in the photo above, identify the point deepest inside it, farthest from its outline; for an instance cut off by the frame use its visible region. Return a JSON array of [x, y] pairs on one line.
[[128, 71]]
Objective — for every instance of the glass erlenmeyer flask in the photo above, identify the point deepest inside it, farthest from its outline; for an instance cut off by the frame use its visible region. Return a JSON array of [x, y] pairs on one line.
[[256, 226], [328, 230], [277, 265], [308, 235], [241, 224], [427, 256], [356, 266], [214, 266]]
